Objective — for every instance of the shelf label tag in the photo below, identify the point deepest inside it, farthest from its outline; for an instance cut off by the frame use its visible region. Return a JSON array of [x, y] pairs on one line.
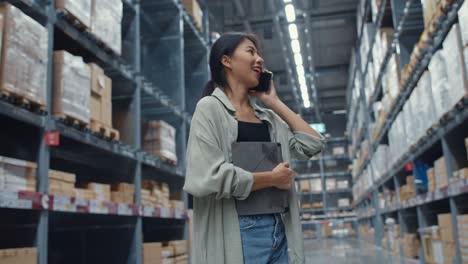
[[52, 138]]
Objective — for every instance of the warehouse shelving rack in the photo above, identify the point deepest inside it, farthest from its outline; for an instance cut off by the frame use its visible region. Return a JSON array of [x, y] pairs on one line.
[[325, 166], [444, 139], [160, 75]]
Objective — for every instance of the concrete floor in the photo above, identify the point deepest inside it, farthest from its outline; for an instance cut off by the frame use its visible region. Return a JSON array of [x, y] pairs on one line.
[[347, 251]]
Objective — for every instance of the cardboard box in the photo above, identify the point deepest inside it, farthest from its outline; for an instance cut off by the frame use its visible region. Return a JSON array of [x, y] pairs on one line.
[[440, 170], [152, 253], [80, 10], [345, 202], [342, 184], [72, 87], [167, 251], [304, 186], [429, 9], [23, 68], [337, 151], [85, 194], [446, 229], [194, 10], [158, 138], [18, 256], [95, 107], [315, 185]]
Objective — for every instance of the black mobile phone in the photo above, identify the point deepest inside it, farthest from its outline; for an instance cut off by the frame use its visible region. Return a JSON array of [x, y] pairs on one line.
[[264, 82]]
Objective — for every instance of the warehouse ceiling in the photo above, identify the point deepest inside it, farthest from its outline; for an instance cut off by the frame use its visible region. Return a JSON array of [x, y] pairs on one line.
[[329, 27]]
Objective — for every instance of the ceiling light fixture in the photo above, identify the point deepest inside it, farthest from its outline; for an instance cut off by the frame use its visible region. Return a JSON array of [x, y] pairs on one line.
[[293, 31], [290, 13]]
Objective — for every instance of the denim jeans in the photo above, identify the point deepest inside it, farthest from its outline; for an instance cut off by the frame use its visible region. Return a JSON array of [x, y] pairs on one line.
[[263, 239]]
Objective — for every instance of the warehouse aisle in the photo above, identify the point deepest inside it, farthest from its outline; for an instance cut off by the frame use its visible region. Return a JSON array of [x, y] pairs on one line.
[[345, 251]]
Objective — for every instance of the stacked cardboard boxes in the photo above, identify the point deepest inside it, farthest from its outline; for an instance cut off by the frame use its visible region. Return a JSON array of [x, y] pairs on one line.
[[71, 93], [79, 10], [177, 205], [447, 237], [62, 183], [154, 193], [159, 139], [440, 170], [410, 245], [174, 252], [18, 256], [408, 190], [102, 192], [463, 236], [17, 175], [460, 174], [101, 98], [432, 244], [23, 55], [194, 10], [122, 193], [152, 253], [106, 23], [85, 194], [431, 180]]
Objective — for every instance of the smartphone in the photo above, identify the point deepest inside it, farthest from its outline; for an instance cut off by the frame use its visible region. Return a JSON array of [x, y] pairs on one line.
[[264, 82]]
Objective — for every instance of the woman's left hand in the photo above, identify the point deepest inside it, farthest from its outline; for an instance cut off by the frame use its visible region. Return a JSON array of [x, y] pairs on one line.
[[269, 97]]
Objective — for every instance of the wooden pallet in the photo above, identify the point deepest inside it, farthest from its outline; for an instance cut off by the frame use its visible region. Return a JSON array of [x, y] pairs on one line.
[[22, 101], [73, 20], [103, 130], [72, 121]]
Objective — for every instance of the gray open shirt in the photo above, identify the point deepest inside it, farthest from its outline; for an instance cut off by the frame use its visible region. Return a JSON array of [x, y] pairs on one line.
[[215, 182]]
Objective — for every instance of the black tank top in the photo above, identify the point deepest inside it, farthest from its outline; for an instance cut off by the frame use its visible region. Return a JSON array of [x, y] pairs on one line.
[[260, 201]]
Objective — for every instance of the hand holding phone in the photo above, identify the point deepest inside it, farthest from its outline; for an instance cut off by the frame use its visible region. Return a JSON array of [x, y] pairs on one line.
[[264, 82]]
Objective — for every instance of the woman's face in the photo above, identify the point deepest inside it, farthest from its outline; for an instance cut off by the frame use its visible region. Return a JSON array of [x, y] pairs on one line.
[[246, 64]]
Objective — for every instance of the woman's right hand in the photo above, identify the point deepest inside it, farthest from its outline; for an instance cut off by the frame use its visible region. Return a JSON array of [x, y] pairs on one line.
[[283, 176]]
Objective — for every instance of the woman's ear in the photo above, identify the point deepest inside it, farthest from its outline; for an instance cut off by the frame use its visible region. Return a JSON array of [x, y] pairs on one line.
[[226, 61]]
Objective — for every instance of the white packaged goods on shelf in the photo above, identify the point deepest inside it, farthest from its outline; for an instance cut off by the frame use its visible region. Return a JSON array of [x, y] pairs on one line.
[[24, 55], [391, 82], [72, 86], [453, 52], [80, 10], [425, 102], [342, 184], [439, 83], [343, 202], [396, 139], [106, 23], [386, 102], [380, 161], [375, 5], [463, 21], [315, 185], [409, 122]]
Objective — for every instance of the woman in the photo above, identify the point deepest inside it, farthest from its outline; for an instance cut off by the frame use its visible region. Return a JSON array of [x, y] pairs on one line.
[[227, 111]]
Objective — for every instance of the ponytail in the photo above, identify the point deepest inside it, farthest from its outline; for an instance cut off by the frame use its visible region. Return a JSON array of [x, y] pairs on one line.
[[209, 88]]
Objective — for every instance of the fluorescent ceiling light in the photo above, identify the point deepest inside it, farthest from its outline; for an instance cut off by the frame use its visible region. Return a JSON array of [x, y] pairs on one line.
[[295, 46], [287, 1], [290, 13], [302, 80], [339, 112], [300, 70], [293, 31], [306, 103], [298, 59]]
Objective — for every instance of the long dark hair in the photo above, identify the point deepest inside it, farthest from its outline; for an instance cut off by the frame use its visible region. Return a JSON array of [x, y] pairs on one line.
[[225, 45]]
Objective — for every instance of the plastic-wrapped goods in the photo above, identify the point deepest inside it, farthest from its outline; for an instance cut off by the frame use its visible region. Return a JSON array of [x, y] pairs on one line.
[[439, 83], [17, 175], [397, 139], [72, 87], [409, 122], [463, 20], [391, 85], [106, 23], [380, 161], [24, 55], [159, 139], [375, 6], [425, 102], [453, 52], [79, 9]]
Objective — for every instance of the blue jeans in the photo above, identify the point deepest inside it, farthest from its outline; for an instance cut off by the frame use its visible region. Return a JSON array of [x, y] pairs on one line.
[[263, 239]]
